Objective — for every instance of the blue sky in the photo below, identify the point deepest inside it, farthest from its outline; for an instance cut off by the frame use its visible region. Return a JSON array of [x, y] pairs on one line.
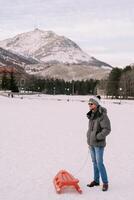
[[102, 28]]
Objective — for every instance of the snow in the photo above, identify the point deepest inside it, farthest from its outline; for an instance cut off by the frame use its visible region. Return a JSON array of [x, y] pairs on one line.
[[43, 134], [34, 43], [67, 55], [28, 43]]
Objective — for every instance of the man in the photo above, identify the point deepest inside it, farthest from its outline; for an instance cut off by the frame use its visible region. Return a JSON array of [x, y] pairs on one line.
[[99, 128]]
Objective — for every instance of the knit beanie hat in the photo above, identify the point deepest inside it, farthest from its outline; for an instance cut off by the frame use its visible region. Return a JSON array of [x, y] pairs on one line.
[[94, 100]]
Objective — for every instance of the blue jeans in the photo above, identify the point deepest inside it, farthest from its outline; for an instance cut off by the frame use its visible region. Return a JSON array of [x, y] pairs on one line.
[[98, 166]]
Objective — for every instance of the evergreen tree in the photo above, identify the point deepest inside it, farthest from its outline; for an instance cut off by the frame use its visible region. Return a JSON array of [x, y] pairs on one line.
[[126, 82], [13, 85], [113, 82], [5, 82]]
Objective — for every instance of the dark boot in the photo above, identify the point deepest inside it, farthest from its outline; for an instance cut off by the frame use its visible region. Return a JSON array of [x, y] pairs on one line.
[[105, 187], [92, 184]]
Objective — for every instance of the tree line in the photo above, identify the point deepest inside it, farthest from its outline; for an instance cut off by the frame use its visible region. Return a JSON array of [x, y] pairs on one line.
[[60, 86], [119, 84], [8, 82], [48, 85]]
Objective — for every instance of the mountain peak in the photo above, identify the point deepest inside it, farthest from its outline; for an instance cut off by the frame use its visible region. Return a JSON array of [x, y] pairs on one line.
[[48, 47], [42, 32], [37, 29]]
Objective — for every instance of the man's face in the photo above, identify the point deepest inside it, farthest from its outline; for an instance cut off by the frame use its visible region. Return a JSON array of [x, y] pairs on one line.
[[92, 106]]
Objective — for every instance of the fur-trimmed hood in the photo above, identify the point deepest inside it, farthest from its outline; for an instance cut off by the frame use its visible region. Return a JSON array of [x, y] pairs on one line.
[[100, 111], [99, 127]]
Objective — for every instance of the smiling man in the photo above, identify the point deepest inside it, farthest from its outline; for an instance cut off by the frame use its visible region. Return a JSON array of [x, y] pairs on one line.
[[99, 128]]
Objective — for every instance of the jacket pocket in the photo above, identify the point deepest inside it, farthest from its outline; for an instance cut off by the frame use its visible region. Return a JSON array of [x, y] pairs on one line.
[[93, 137]]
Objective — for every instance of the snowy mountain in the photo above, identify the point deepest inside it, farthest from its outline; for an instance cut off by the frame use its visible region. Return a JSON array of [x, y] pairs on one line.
[[58, 52], [47, 46], [8, 58]]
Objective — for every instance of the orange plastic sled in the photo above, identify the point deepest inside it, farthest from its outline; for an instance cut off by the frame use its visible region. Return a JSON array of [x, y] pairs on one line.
[[64, 178]]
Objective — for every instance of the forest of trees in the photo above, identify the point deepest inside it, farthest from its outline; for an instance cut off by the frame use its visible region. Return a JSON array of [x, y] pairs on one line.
[[119, 84], [48, 86], [56, 86], [8, 82]]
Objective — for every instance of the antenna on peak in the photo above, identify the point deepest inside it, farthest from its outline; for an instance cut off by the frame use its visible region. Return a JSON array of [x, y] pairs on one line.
[[36, 29], [36, 25]]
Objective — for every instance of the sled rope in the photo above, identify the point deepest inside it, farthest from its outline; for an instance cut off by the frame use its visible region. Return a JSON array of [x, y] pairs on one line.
[[83, 165]]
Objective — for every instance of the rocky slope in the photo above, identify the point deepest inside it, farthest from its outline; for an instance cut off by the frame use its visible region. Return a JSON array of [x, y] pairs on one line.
[[55, 56]]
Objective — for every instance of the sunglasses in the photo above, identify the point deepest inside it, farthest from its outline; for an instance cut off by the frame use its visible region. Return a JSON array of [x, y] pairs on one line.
[[90, 104]]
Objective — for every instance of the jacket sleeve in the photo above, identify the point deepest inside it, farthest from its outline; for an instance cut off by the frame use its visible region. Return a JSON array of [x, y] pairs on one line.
[[105, 128]]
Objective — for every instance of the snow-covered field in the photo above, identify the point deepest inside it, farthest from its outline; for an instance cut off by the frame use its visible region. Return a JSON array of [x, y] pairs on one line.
[[40, 135]]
